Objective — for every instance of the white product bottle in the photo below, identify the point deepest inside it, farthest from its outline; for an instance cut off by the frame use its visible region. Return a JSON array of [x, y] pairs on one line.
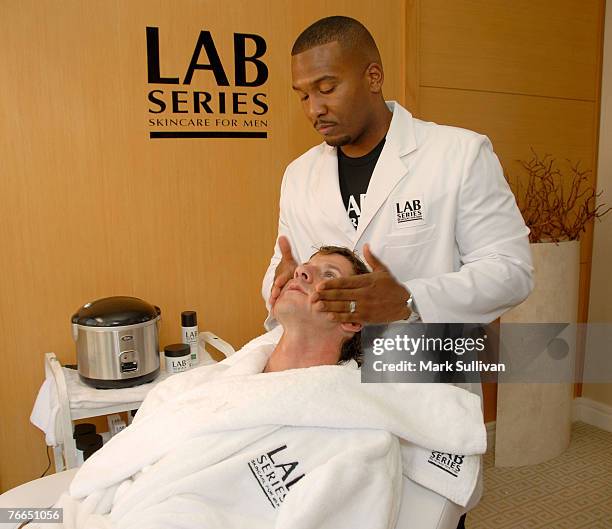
[[189, 328]]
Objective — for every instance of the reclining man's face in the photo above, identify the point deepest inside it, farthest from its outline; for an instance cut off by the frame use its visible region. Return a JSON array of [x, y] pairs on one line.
[[294, 300]]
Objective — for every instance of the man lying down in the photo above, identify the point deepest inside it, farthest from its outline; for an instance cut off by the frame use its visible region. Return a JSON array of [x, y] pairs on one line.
[[286, 436]]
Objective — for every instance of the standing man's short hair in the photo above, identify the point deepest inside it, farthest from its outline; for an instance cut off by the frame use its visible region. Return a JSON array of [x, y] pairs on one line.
[[348, 32]]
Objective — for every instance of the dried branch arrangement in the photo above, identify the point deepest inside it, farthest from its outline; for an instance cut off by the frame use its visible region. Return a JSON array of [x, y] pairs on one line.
[[556, 207]]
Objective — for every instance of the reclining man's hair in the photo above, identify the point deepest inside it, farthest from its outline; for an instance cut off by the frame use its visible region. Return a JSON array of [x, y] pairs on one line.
[[351, 34], [351, 348]]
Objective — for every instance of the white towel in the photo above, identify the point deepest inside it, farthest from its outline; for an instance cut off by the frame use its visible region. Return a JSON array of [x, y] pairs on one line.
[[81, 396], [188, 447], [45, 411]]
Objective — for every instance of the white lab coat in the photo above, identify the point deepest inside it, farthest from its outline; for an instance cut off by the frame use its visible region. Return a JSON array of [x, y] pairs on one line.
[[464, 255]]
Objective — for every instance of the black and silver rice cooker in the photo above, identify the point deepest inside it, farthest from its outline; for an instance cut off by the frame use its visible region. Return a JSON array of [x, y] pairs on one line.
[[117, 342]]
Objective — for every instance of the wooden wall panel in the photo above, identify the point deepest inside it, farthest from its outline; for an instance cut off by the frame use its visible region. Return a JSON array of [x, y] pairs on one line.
[[91, 207], [527, 74], [535, 47], [412, 56], [515, 123]]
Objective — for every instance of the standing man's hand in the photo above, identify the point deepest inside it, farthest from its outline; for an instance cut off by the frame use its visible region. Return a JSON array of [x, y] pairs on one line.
[[284, 270], [378, 297]]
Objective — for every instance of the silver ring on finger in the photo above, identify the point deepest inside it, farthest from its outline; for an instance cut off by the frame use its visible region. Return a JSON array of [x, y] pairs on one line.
[[352, 306]]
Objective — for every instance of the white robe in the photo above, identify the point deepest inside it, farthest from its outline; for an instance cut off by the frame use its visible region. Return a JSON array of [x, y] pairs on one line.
[[227, 446]]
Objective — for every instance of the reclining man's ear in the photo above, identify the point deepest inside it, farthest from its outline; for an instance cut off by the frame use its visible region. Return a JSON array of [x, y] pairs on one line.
[[351, 327]]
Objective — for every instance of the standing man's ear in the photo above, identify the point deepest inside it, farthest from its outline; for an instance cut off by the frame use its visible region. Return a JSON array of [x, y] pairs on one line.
[[376, 77]]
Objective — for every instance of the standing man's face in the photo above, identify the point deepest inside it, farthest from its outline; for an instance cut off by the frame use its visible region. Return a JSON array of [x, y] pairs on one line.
[[335, 92]]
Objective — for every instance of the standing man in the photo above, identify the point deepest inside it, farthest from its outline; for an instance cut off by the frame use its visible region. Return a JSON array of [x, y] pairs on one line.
[[427, 205]]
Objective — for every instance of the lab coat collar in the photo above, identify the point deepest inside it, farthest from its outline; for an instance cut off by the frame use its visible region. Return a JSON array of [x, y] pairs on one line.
[[389, 170], [401, 135], [392, 165]]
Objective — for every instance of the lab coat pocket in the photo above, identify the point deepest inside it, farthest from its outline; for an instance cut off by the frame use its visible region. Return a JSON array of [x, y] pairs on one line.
[[407, 238], [409, 253]]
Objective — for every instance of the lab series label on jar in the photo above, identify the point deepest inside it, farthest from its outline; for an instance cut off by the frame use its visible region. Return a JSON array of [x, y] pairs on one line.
[[178, 364], [202, 97]]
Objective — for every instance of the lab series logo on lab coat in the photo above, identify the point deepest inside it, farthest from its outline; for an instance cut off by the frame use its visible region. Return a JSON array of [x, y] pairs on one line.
[[409, 212], [274, 476]]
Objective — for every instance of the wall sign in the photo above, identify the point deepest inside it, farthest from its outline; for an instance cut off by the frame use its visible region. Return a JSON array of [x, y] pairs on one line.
[[208, 99]]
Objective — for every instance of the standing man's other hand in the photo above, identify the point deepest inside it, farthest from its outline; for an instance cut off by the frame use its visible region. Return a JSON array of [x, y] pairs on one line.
[[285, 269]]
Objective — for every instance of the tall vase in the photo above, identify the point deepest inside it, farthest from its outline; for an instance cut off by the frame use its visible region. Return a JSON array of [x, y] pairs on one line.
[[534, 420]]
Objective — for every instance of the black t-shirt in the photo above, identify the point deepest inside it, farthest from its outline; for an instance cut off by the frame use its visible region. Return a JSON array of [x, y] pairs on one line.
[[354, 175]]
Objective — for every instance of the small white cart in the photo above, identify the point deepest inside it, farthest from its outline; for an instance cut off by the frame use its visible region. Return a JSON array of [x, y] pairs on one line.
[[65, 452]]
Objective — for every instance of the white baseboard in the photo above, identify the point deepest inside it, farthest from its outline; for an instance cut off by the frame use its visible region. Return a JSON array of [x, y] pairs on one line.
[[593, 413]]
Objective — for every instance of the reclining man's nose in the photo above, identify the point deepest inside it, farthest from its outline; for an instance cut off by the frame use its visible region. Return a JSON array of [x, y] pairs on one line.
[[303, 273]]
